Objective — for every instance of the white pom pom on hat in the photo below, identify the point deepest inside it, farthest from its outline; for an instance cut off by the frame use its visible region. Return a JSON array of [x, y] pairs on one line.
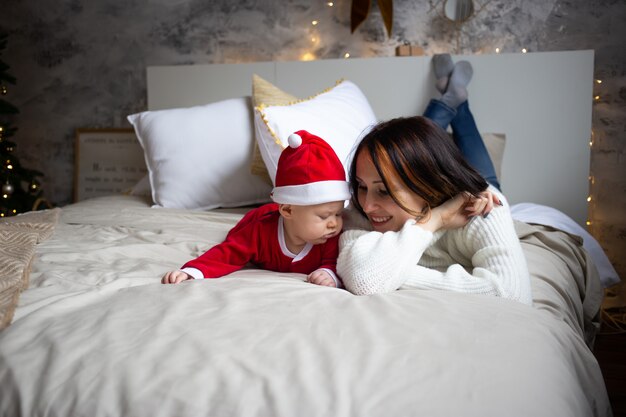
[[309, 172], [294, 140]]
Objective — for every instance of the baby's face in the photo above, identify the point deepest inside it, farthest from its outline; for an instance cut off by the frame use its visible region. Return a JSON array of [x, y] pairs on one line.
[[317, 223]]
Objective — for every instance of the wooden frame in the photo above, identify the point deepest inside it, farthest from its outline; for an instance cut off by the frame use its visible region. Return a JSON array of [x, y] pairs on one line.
[[107, 161]]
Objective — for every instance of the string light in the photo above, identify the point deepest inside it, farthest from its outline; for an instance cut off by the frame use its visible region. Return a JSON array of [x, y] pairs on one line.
[[315, 22], [330, 4], [524, 50], [592, 140], [346, 55], [591, 182], [497, 50], [591, 177]]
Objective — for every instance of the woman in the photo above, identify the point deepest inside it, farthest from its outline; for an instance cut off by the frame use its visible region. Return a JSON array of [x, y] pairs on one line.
[[421, 218]]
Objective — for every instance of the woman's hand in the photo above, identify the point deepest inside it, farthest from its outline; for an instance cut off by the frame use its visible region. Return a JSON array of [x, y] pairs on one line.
[[449, 215], [483, 204], [458, 211]]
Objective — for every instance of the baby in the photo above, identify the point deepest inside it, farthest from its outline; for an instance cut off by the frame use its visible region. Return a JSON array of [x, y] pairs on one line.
[[299, 232]]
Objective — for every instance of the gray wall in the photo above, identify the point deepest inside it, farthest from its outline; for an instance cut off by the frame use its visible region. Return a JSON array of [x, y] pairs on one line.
[[81, 63]]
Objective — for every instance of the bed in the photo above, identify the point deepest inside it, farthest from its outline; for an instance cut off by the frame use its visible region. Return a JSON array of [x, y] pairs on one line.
[[94, 333]]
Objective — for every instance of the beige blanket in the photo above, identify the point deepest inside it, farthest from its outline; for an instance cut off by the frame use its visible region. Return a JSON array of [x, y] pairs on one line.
[[96, 334], [18, 237]]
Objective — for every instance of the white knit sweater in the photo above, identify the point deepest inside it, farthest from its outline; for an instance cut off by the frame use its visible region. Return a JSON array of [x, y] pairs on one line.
[[483, 257]]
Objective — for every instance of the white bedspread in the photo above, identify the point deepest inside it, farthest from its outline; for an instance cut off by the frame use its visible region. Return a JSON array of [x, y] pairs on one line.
[[96, 334]]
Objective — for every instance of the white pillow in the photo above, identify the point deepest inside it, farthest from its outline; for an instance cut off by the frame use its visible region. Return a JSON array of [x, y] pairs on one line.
[[142, 188], [339, 115], [199, 157]]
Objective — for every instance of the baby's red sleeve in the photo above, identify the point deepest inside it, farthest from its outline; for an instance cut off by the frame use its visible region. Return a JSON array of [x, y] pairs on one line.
[[330, 252], [234, 252]]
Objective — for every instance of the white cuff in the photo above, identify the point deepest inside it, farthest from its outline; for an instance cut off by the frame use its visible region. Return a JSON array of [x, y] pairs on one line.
[[195, 273]]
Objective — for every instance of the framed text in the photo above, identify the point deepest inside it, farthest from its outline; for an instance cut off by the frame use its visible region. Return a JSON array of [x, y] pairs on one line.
[[107, 161]]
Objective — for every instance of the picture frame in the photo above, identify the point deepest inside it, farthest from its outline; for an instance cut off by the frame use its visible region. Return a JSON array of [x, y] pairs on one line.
[[107, 161]]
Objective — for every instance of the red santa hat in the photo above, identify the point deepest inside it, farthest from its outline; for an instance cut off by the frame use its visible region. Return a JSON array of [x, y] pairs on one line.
[[309, 172]]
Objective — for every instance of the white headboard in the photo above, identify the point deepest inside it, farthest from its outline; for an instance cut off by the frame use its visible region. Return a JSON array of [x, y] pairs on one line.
[[541, 101]]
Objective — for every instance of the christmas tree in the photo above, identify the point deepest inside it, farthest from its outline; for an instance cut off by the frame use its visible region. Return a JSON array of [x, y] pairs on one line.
[[20, 190]]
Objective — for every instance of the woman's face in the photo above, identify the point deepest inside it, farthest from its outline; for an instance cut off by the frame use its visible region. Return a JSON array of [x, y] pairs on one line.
[[381, 210]]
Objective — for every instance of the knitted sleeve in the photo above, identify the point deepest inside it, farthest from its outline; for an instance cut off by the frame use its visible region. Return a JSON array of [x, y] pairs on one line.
[[498, 265], [372, 262]]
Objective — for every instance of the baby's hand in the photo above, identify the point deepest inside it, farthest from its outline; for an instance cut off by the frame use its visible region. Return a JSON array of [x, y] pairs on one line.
[[321, 277], [174, 277]]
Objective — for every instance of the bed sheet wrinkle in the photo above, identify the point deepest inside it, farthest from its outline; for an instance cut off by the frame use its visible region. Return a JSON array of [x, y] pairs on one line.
[[563, 278], [550, 295], [240, 348], [77, 281], [54, 381], [95, 236], [253, 379], [135, 211], [88, 254]]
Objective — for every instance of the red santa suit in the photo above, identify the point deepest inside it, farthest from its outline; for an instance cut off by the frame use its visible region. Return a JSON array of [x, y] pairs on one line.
[[259, 239], [308, 173]]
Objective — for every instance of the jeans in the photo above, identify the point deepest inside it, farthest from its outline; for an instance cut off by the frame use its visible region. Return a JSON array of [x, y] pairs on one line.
[[465, 135]]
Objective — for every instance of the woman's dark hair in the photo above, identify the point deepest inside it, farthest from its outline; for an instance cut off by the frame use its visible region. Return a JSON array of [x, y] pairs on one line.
[[420, 154]]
